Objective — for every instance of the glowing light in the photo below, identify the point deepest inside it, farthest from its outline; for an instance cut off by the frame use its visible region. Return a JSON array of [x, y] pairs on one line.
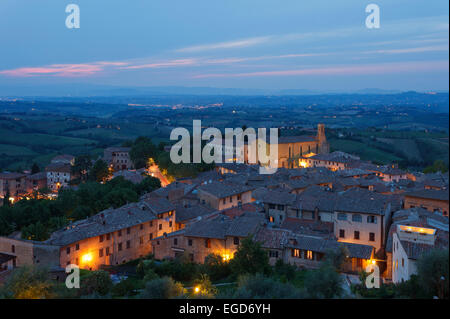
[[373, 262], [86, 258], [226, 257], [196, 290]]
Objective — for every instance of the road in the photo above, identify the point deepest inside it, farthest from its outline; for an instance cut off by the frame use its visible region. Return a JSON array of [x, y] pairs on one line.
[[155, 172]]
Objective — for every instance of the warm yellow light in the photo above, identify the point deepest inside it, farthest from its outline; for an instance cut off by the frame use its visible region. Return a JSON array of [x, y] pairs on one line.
[[86, 258], [196, 289], [373, 262], [226, 257]]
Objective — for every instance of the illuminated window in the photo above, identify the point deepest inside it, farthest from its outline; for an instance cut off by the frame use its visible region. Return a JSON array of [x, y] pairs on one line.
[[309, 254], [296, 253]]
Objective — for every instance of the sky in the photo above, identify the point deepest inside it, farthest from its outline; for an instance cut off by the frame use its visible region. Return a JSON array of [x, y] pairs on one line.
[[266, 44]]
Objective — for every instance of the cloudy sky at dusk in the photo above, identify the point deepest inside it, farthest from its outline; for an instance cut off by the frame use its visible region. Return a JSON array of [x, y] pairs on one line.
[[282, 44]]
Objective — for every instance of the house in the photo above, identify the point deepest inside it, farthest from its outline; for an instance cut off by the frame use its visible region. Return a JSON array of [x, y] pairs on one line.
[[220, 235], [362, 217], [13, 184], [114, 236], [413, 232], [63, 159], [222, 195], [118, 158], [58, 175], [276, 203], [306, 251], [429, 199], [334, 161], [36, 181]]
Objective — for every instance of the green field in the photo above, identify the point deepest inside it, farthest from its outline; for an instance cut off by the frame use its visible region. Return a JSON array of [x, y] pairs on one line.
[[366, 153]]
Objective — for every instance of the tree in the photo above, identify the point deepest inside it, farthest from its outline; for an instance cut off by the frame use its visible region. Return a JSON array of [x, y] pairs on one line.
[[95, 282], [28, 282], [203, 287], [216, 267], [336, 257], [141, 151], [147, 185], [6, 201], [35, 169], [438, 166], [99, 171], [324, 282], [261, 287], [250, 258], [162, 288], [432, 270], [81, 166]]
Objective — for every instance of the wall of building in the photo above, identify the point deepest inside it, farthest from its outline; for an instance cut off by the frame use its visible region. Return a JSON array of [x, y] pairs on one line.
[[402, 266], [429, 204], [363, 227], [139, 238]]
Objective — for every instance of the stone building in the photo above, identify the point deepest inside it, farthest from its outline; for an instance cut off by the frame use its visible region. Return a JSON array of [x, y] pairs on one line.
[[118, 158], [58, 175], [114, 236], [222, 195], [430, 199], [13, 183]]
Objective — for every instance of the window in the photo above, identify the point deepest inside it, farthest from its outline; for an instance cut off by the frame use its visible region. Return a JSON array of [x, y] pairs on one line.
[[224, 201], [372, 219], [160, 226], [13, 248], [77, 247], [357, 218], [236, 240], [119, 233], [128, 244], [141, 240], [239, 197], [371, 236], [231, 199], [341, 233], [190, 242], [309, 254], [151, 224], [151, 236], [272, 206], [170, 223], [296, 253], [273, 253], [403, 262], [119, 247], [68, 250], [175, 241], [107, 251], [128, 230], [342, 216], [207, 243], [356, 236], [108, 236], [100, 252], [141, 226], [101, 238]]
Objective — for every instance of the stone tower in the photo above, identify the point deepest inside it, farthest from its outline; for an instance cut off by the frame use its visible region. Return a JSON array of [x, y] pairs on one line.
[[324, 146]]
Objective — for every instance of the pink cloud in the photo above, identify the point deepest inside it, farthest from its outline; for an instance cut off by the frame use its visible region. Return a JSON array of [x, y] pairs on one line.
[[62, 70], [343, 70], [170, 63]]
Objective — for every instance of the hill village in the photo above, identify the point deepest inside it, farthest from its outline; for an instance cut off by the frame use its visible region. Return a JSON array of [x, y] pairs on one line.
[[315, 203]]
